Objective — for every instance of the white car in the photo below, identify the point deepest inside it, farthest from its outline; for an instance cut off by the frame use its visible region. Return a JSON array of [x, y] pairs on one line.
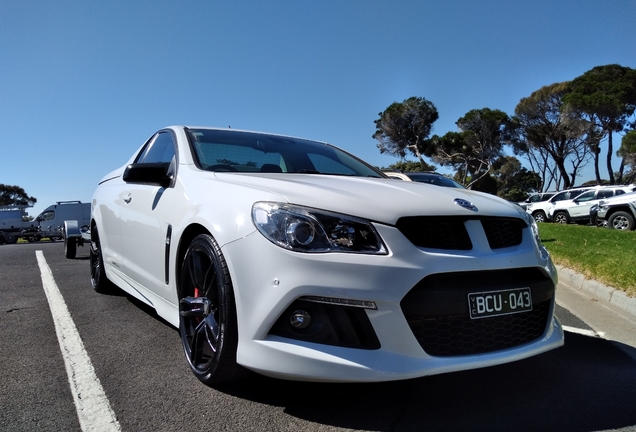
[[618, 212], [578, 209], [540, 210], [429, 177], [536, 198], [296, 260]]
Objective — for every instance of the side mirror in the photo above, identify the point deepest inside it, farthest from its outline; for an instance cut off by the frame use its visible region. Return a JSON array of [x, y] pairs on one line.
[[148, 173]]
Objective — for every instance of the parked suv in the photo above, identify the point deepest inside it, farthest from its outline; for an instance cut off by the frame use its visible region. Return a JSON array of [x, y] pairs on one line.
[[539, 210], [619, 212], [578, 209], [536, 198]]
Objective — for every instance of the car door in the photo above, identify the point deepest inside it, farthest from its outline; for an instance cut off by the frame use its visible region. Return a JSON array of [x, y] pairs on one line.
[[581, 204], [585, 203], [144, 228]]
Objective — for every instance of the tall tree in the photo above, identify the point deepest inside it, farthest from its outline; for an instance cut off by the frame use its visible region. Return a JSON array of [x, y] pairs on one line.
[[411, 166], [606, 96], [405, 126], [514, 182], [540, 128], [15, 196], [628, 152], [477, 145]]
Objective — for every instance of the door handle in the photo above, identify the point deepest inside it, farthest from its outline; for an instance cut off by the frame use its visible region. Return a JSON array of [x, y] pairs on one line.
[[128, 199]]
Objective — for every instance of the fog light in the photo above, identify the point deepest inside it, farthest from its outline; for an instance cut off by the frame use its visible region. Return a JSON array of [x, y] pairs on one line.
[[300, 319]]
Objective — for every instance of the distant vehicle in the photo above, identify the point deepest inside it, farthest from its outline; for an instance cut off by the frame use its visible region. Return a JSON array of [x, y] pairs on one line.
[[536, 198], [429, 177], [297, 260], [48, 224], [540, 210], [52, 219], [618, 212], [578, 209], [13, 224]]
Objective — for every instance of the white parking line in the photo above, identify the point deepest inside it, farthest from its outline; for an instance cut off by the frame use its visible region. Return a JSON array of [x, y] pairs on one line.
[[583, 331], [93, 408]]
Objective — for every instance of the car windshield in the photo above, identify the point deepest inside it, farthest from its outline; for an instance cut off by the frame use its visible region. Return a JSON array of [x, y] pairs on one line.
[[434, 179], [236, 151]]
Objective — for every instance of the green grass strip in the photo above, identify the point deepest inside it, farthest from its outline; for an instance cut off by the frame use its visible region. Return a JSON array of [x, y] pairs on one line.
[[602, 254]]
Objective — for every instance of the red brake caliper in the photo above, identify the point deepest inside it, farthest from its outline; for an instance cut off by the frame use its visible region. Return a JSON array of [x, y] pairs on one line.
[[196, 294]]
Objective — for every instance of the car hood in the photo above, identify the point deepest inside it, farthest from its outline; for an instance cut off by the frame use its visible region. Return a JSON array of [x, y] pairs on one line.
[[381, 200], [619, 199]]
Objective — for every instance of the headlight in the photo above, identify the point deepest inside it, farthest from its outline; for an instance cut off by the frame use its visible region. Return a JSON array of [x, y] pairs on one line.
[[535, 230], [533, 225], [304, 229]]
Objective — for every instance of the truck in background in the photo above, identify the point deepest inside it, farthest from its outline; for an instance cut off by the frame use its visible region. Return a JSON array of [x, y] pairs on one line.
[[51, 220], [48, 224], [13, 224]]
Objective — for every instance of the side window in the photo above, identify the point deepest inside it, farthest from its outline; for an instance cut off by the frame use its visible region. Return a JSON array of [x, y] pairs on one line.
[[161, 149], [619, 192], [587, 196], [559, 197], [49, 215]]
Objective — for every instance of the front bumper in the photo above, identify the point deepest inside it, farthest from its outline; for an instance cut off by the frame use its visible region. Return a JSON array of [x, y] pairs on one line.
[[268, 279]]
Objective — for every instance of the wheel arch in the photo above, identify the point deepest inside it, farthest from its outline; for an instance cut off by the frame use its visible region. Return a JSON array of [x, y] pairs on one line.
[[186, 238], [625, 208]]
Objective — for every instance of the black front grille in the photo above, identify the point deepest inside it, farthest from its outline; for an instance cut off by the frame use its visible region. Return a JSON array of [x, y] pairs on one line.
[[437, 312], [450, 233], [436, 233], [503, 233]]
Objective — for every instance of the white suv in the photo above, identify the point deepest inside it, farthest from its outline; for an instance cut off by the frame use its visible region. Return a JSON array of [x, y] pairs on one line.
[[578, 209], [540, 210], [618, 212]]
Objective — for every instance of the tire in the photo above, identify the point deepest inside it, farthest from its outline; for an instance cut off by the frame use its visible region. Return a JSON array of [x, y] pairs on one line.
[[207, 313], [561, 218], [70, 248], [621, 220], [99, 281], [539, 216], [11, 238]]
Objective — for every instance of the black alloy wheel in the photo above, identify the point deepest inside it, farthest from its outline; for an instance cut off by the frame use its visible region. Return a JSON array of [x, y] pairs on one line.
[[99, 281], [207, 313]]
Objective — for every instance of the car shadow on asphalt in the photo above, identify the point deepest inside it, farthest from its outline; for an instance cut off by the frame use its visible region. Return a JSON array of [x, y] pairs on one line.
[[586, 385]]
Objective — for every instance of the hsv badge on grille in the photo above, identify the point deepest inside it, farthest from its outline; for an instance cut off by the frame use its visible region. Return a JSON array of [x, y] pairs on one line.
[[466, 204]]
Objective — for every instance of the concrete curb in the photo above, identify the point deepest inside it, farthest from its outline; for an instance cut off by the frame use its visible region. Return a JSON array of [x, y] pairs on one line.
[[608, 294]]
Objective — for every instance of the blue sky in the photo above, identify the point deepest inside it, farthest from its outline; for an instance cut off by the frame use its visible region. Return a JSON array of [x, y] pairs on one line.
[[83, 84]]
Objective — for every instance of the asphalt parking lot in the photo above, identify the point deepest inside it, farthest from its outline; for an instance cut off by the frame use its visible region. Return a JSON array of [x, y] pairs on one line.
[[587, 385]]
